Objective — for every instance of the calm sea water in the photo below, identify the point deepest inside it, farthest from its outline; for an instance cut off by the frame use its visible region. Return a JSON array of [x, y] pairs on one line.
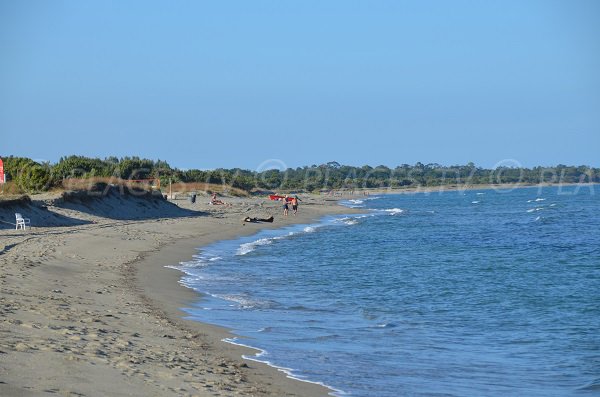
[[475, 293]]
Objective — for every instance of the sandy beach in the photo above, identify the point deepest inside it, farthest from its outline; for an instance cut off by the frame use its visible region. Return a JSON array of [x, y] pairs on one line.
[[89, 308]]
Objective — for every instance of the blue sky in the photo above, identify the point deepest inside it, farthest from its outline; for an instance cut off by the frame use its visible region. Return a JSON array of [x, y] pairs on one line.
[[243, 83]]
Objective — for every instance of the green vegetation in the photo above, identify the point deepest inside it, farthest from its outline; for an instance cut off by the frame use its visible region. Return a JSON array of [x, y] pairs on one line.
[[31, 176], [28, 175]]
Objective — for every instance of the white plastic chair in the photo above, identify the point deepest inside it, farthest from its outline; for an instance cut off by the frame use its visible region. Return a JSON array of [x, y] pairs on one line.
[[21, 222]]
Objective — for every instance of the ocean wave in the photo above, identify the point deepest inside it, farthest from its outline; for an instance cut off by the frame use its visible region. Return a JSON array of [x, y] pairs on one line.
[[246, 248], [386, 325], [357, 203], [536, 200], [392, 211], [324, 338], [535, 209], [475, 202], [183, 265], [349, 220], [198, 260], [246, 302], [193, 264], [353, 203], [258, 357], [265, 329], [287, 371], [479, 194], [594, 385], [261, 352], [249, 247], [306, 229], [299, 308]]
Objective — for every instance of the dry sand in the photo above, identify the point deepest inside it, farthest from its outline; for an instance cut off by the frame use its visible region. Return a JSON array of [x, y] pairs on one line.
[[89, 309]]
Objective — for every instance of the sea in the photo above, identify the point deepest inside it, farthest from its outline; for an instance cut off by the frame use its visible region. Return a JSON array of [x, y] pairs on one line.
[[450, 293]]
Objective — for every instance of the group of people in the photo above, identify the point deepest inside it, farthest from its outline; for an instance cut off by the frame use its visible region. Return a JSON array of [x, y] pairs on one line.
[[287, 201]]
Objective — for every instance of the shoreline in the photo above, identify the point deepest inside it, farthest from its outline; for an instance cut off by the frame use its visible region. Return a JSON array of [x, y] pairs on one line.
[[161, 286], [89, 308]]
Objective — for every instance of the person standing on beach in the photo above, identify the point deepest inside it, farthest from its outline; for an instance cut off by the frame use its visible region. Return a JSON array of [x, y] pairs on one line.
[[285, 205], [295, 204]]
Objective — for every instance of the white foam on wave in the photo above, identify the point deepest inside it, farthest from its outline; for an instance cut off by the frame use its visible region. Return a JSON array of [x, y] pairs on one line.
[[358, 203], [193, 278], [475, 202], [479, 194], [351, 220], [536, 200], [234, 341], [307, 229], [282, 237], [535, 209], [385, 325], [183, 265], [197, 262], [393, 211], [287, 371], [353, 203], [249, 247]]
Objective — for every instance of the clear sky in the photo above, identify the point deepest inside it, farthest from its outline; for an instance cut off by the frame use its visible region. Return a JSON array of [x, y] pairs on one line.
[[206, 84]]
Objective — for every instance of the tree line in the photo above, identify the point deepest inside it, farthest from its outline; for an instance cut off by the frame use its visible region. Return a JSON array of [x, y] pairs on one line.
[[33, 176]]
